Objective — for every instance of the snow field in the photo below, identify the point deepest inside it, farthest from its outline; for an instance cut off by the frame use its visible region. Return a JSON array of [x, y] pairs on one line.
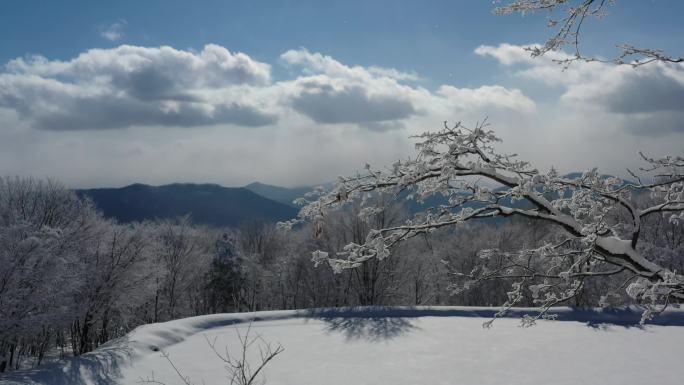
[[389, 349]]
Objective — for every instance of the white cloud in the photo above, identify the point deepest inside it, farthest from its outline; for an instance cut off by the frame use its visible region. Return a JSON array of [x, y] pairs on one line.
[[318, 63], [505, 53], [494, 97], [114, 31], [328, 100], [652, 92], [331, 92], [129, 86]]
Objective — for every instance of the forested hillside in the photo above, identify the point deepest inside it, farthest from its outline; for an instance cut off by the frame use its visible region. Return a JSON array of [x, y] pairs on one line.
[[207, 204]]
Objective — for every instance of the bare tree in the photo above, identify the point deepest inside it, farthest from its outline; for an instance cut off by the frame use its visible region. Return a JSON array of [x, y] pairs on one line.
[[183, 253], [240, 370], [374, 280], [573, 15], [597, 218]]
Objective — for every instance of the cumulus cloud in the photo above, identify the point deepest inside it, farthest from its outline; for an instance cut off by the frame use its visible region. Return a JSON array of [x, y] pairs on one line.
[[334, 102], [323, 118], [125, 86], [493, 97], [653, 92], [331, 92], [146, 86]]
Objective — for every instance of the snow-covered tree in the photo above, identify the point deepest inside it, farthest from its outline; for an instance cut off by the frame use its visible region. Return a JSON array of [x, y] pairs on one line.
[[182, 255], [597, 220], [43, 228], [110, 274]]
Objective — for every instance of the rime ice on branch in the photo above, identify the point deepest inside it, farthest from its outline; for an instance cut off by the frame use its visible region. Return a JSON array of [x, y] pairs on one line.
[[599, 218], [568, 22]]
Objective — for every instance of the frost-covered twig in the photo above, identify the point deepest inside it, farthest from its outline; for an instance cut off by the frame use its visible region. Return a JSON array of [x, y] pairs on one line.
[[569, 23]]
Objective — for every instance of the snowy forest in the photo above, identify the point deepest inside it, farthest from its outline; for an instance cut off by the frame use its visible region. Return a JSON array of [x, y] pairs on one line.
[[72, 280]]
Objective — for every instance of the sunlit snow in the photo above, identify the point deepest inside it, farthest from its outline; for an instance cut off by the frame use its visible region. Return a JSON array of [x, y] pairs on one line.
[[393, 346]]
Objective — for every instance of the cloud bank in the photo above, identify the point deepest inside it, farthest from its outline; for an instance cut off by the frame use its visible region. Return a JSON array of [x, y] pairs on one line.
[[128, 114], [131, 86]]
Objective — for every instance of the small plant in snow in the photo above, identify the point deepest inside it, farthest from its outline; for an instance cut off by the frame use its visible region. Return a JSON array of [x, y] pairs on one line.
[[240, 371]]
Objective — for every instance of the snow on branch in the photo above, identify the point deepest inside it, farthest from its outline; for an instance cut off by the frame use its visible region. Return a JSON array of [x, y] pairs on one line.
[[598, 217], [568, 25]]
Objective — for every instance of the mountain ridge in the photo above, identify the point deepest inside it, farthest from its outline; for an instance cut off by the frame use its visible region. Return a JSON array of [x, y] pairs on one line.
[[207, 204], [285, 195]]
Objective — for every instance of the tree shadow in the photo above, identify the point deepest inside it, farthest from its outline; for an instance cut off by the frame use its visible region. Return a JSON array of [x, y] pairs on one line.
[[597, 318], [607, 327], [369, 329], [368, 324], [604, 319], [102, 366]]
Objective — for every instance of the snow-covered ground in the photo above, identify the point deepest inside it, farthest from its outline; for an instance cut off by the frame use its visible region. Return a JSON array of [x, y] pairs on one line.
[[393, 346]]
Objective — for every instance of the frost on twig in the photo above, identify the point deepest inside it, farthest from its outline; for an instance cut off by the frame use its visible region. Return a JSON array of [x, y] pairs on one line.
[[568, 17]]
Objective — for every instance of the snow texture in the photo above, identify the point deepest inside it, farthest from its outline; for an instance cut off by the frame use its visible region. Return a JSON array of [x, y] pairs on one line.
[[425, 345]]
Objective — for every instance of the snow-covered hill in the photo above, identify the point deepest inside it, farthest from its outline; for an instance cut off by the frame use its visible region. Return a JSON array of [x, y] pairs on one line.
[[393, 346]]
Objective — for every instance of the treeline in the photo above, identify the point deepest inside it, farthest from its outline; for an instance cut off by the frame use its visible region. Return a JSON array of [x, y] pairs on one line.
[[70, 280]]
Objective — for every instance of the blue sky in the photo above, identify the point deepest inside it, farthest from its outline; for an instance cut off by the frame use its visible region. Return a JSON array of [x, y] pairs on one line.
[[433, 38], [436, 42]]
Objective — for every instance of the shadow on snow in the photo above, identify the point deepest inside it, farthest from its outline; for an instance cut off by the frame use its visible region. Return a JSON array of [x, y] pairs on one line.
[[593, 317], [376, 324], [102, 366]]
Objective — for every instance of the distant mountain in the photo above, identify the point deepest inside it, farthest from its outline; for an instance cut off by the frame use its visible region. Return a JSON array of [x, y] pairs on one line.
[[207, 204], [287, 195], [279, 194]]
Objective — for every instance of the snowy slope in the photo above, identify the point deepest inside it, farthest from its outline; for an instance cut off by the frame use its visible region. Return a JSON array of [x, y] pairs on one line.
[[394, 346]]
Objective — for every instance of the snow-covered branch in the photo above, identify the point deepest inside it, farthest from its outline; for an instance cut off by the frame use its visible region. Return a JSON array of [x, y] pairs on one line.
[[569, 21], [598, 218]]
